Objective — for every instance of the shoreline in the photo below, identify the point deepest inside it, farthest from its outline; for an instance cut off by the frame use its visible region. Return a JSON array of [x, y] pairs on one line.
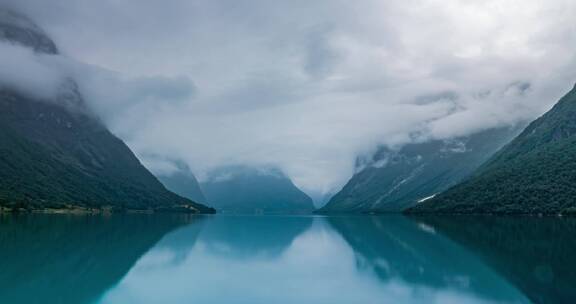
[[75, 210]]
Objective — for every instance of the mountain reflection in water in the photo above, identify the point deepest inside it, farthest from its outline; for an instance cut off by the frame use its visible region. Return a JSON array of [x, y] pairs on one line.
[[285, 259]]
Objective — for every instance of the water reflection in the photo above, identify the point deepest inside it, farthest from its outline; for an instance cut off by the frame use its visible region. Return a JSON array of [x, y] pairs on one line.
[[312, 260], [227, 259], [252, 237], [398, 249], [536, 254], [72, 259]]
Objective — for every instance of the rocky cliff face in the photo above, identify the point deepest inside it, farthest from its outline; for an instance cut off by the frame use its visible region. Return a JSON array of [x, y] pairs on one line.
[[55, 153]]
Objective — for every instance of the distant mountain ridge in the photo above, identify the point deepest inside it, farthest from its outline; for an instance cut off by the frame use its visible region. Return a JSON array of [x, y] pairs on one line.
[[533, 174], [395, 180], [247, 190], [55, 156], [183, 182]]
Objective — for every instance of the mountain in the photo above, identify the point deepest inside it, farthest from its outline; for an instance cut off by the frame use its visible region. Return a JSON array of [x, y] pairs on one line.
[[183, 182], [395, 180], [533, 174], [56, 153], [248, 190]]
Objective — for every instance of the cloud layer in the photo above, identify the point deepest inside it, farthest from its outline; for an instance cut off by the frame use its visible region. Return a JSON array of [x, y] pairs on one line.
[[307, 86]]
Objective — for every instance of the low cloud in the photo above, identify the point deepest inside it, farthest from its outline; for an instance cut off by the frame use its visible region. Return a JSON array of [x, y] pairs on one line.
[[304, 86], [28, 72]]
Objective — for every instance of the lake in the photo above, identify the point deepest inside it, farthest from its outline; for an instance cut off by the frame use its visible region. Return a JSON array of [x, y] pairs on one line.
[[286, 259]]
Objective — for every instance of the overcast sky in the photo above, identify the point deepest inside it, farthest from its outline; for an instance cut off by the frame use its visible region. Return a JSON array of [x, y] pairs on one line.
[[306, 86]]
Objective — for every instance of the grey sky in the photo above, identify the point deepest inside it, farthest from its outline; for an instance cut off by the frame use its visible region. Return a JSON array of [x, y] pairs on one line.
[[306, 86]]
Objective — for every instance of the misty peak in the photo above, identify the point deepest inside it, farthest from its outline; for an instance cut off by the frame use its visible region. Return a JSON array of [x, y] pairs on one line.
[[17, 28]]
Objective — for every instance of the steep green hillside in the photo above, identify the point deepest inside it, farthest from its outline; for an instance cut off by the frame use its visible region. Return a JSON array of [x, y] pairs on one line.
[[55, 153], [535, 173], [395, 180]]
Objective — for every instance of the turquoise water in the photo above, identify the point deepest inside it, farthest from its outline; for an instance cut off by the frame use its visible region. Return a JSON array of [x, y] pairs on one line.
[[276, 259]]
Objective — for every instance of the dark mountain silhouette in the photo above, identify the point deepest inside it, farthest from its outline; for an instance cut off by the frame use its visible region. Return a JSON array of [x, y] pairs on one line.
[[56, 153], [248, 190], [395, 180], [535, 173]]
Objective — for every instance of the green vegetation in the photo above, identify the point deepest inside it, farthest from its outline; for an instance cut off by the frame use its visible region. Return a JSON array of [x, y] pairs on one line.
[[534, 174], [53, 157], [54, 154], [415, 172]]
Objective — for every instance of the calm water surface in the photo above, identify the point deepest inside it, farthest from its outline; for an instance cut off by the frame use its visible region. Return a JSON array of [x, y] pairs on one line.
[[275, 259]]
